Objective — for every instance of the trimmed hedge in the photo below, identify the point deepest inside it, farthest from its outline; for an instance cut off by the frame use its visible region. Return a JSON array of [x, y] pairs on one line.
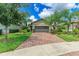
[[13, 30]]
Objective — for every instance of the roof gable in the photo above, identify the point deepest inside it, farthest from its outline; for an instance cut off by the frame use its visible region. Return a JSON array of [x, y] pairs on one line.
[[39, 23]]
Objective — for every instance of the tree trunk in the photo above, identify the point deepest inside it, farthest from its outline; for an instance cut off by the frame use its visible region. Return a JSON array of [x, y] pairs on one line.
[[26, 24], [54, 26], [6, 34], [31, 27], [68, 28], [50, 28]]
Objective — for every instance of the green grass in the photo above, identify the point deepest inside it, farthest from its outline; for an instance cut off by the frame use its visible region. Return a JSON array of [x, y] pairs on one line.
[[14, 41], [69, 37]]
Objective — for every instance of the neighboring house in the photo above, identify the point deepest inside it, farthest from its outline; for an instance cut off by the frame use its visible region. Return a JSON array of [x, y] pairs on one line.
[[39, 26], [12, 28], [74, 25]]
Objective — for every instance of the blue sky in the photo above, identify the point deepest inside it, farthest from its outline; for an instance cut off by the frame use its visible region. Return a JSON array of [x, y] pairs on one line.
[[37, 10]]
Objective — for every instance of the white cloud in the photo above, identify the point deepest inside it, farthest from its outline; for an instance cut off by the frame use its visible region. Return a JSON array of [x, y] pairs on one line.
[[36, 8], [45, 13], [77, 6], [35, 5], [33, 18], [60, 6], [70, 5], [55, 7], [49, 4]]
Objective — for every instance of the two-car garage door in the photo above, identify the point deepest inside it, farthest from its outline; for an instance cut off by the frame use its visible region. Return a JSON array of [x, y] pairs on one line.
[[41, 29]]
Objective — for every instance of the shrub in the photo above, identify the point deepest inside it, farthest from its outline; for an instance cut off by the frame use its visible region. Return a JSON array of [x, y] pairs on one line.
[[76, 31], [23, 31], [14, 30], [0, 32], [24, 27], [28, 30]]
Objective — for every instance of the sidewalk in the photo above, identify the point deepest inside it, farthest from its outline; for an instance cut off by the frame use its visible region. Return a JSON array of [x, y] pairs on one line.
[[53, 49]]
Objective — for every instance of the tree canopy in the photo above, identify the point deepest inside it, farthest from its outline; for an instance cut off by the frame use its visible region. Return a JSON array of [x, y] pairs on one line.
[[9, 14]]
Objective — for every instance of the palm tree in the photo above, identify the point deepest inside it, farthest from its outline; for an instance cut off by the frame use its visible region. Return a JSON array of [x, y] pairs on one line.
[[48, 20], [53, 20], [68, 16]]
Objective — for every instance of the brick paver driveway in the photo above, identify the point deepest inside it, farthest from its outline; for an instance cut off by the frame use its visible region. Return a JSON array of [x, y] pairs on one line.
[[40, 38]]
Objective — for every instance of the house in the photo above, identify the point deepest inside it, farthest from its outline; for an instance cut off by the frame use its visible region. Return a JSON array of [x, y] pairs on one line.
[[74, 25], [11, 28], [39, 26]]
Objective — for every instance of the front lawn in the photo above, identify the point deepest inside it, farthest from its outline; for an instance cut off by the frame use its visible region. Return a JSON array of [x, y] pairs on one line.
[[14, 40], [69, 37]]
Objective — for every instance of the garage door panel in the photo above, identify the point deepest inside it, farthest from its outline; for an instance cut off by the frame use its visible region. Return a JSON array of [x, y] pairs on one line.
[[41, 29]]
